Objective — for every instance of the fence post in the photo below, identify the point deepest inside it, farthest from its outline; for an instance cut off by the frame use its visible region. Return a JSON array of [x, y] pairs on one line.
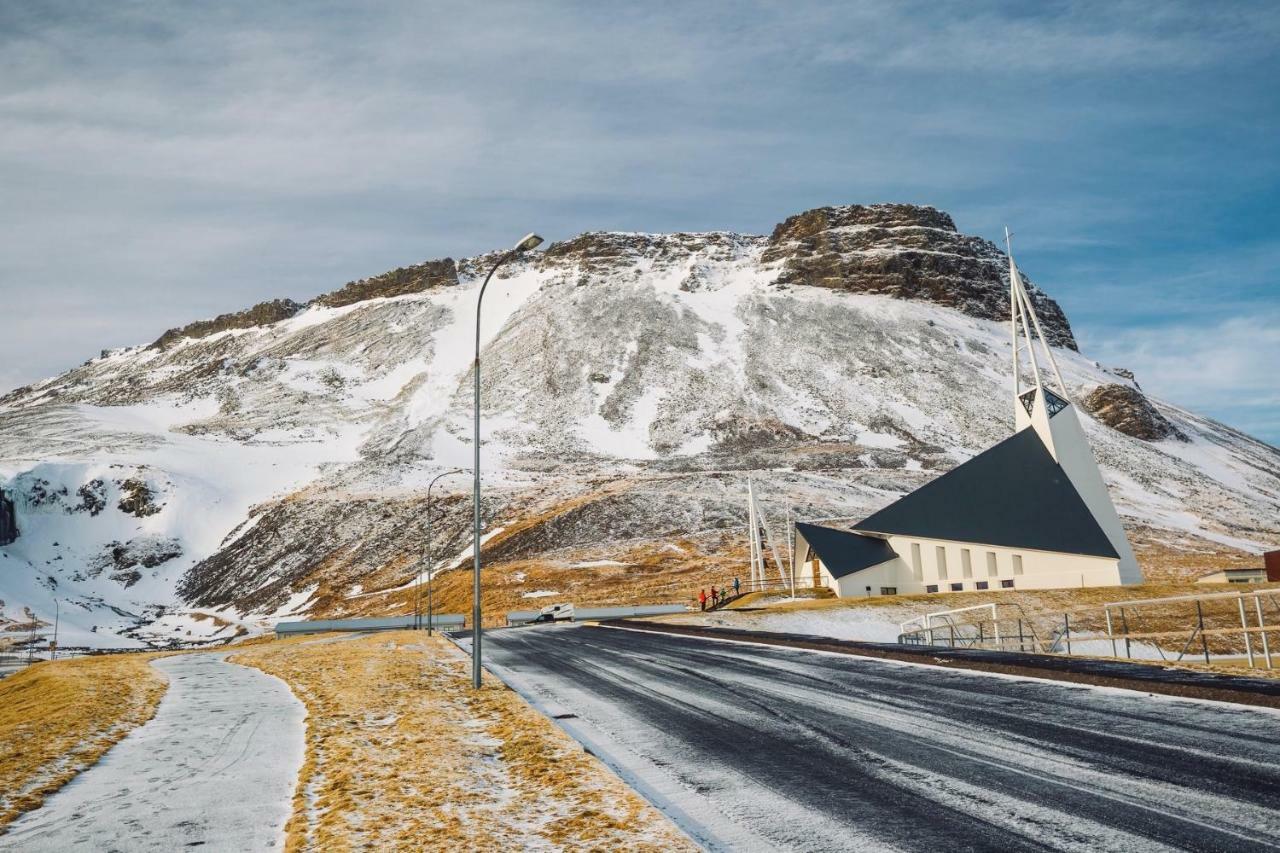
[[1066, 630], [1262, 629], [1107, 611], [1244, 629], [981, 639], [1021, 647], [1124, 623], [1204, 641]]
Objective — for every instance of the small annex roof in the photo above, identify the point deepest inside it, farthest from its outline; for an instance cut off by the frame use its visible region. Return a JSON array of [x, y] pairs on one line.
[[1013, 495], [842, 552]]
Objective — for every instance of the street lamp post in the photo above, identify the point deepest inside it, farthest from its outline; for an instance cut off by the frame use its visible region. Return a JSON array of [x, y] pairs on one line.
[[426, 558], [528, 242]]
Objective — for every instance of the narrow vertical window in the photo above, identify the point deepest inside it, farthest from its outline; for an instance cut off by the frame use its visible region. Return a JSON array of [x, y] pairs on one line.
[[942, 562], [966, 562], [916, 568], [1017, 564], [991, 564]]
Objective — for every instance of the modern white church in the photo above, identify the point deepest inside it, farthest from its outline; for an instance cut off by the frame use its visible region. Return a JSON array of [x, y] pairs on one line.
[[1031, 512]]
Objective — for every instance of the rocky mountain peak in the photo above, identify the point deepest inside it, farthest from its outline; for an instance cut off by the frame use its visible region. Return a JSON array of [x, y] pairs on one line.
[[820, 219], [905, 251]]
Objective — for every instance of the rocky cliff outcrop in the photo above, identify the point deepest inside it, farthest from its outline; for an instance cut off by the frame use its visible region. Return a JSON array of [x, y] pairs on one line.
[[262, 314], [905, 251], [398, 282], [1128, 410], [8, 520], [614, 251]]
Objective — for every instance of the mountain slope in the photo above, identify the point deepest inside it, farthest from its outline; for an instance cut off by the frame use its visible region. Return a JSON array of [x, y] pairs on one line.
[[631, 381]]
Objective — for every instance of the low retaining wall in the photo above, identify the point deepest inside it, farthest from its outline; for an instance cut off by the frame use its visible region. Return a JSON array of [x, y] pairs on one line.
[[440, 621]]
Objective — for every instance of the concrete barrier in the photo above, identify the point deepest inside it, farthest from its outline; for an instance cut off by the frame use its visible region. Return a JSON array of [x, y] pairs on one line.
[[441, 621]]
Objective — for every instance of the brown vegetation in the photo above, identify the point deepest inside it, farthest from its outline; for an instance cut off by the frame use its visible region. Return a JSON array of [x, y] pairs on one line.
[[402, 754], [58, 718]]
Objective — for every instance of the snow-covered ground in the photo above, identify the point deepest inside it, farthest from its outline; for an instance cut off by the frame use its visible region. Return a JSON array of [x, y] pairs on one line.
[[215, 768]]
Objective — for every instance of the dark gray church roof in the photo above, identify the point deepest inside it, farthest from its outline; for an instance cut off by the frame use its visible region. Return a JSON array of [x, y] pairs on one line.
[[1013, 494], [842, 552]]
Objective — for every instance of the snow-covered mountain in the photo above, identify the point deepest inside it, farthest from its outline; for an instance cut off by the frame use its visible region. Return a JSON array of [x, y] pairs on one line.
[[274, 461]]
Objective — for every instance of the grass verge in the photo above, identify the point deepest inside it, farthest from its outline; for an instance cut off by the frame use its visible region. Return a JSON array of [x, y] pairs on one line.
[[58, 718], [402, 754]]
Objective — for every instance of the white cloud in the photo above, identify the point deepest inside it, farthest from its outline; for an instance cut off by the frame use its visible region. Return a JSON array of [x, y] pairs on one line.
[[1228, 368]]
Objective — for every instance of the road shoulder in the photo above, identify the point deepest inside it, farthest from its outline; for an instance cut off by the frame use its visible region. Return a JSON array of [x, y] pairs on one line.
[[401, 753]]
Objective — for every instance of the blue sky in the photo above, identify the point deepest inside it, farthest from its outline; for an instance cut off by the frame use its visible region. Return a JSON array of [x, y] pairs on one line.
[[164, 162]]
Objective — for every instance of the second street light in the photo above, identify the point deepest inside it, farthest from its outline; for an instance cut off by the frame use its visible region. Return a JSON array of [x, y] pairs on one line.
[[528, 242], [427, 562]]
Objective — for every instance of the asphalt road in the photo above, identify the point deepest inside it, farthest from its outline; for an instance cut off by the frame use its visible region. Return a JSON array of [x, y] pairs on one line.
[[751, 748]]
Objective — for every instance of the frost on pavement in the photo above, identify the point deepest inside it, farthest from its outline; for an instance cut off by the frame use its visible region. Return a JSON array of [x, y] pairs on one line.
[[214, 767]]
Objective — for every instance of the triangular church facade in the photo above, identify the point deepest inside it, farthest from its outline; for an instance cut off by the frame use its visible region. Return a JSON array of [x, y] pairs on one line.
[[1032, 512]]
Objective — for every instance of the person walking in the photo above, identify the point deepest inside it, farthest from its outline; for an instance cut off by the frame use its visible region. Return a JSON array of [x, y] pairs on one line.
[[714, 594], [702, 599], [736, 587]]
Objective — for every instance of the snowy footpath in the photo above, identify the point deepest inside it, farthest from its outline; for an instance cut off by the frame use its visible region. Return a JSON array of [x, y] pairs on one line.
[[215, 768]]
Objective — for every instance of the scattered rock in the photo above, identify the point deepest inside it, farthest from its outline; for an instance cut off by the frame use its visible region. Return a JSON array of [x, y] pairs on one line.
[[122, 559], [93, 497], [136, 498], [1127, 410]]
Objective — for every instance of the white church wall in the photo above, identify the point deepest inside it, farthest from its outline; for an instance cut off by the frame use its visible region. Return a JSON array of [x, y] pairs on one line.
[[884, 579], [942, 569], [943, 566]]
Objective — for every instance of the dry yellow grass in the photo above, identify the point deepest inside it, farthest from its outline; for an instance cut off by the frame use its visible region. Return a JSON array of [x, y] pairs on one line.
[[402, 754], [58, 718], [650, 572]]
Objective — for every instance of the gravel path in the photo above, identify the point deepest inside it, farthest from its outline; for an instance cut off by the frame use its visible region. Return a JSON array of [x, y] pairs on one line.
[[215, 768], [755, 747]]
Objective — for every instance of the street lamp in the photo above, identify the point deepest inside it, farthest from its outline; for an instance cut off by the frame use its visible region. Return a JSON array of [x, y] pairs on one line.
[[528, 242], [417, 596], [57, 613]]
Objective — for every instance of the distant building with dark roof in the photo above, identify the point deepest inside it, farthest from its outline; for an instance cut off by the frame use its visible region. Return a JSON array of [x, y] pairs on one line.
[[1032, 512]]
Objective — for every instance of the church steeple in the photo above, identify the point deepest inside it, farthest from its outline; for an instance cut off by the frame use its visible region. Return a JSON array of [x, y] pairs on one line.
[[1042, 403]]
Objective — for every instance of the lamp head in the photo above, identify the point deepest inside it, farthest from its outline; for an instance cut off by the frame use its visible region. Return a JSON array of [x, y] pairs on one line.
[[529, 241]]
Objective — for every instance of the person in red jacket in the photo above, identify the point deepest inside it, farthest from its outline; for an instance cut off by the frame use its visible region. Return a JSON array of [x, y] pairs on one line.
[[702, 599]]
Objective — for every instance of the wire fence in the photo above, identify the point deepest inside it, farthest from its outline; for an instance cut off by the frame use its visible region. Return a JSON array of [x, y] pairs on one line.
[[1215, 627]]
